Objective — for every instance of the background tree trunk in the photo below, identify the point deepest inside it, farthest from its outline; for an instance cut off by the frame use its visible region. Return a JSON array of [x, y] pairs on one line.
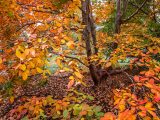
[[118, 17]]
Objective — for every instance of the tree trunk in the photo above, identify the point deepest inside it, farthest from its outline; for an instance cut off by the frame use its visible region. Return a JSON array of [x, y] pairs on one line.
[[93, 33], [87, 34], [118, 17]]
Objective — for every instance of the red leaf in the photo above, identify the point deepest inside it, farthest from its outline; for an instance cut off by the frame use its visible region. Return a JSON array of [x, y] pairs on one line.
[[136, 78]]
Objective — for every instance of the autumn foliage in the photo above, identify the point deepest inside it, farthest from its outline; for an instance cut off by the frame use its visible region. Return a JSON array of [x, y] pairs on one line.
[[89, 40]]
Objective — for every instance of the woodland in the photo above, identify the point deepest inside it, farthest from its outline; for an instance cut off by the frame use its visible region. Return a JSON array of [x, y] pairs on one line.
[[79, 59]]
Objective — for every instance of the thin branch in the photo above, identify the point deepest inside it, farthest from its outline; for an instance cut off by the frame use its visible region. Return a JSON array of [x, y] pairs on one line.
[[27, 24], [66, 56], [125, 5], [135, 11], [45, 10], [138, 7], [129, 76]]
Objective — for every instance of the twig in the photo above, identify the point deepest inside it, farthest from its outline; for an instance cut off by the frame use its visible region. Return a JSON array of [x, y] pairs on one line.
[[135, 12], [130, 79], [45, 10], [138, 7], [28, 24]]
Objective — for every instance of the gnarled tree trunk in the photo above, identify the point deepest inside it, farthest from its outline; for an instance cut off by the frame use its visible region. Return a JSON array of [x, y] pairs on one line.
[[89, 36]]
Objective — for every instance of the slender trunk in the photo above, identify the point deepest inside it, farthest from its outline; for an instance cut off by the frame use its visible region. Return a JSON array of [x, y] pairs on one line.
[[87, 37], [93, 33], [118, 17], [125, 5]]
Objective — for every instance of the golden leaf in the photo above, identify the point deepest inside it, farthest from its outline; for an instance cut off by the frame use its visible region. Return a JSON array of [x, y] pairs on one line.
[[25, 75], [71, 78], [79, 75], [31, 64], [20, 55], [22, 67], [58, 61], [39, 70], [1, 60], [26, 52], [11, 99]]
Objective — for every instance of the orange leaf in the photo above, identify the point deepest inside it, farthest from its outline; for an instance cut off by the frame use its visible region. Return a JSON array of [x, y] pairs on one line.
[[108, 116], [1, 60], [25, 75], [108, 64], [70, 84], [150, 73], [32, 52]]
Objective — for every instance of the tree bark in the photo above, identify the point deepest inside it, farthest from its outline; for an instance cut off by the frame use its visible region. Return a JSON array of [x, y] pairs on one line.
[[93, 33], [88, 32], [118, 17]]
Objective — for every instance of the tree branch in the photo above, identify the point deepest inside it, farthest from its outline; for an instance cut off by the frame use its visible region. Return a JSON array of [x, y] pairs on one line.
[[27, 24], [138, 7], [66, 56], [45, 10], [135, 12]]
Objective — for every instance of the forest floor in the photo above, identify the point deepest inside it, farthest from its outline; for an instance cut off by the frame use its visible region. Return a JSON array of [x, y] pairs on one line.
[[56, 85]]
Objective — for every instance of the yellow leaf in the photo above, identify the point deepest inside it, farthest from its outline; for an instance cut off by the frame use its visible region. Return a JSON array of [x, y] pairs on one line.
[[25, 75], [121, 105], [79, 75], [39, 70], [39, 40], [58, 24], [20, 55], [1, 60], [26, 52], [11, 99], [71, 78], [58, 61], [22, 67], [31, 64]]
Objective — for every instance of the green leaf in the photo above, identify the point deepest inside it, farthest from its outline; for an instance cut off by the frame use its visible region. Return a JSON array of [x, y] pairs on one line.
[[99, 114], [25, 118], [97, 109], [76, 109], [10, 14], [90, 97], [65, 113]]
